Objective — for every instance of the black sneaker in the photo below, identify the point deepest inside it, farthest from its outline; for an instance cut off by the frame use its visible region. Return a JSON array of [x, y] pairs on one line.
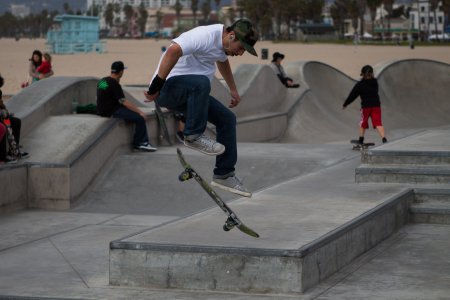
[[24, 155], [384, 140]]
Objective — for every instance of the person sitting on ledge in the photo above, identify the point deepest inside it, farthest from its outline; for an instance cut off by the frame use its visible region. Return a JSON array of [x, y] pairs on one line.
[[279, 70]]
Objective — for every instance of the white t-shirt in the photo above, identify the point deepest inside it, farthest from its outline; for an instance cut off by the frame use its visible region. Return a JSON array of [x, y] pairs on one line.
[[202, 48]]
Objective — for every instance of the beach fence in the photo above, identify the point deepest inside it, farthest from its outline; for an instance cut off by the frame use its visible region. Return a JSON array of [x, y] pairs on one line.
[[74, 34]]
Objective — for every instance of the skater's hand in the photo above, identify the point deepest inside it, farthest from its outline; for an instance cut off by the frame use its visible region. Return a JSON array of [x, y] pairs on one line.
[[235, 99], [150, 98], [143, 115]]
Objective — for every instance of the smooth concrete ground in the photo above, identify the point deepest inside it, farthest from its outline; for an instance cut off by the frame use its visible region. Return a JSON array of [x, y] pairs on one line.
[[65, 255]]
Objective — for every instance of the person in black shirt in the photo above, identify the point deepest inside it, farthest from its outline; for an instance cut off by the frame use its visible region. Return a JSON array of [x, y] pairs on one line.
[[111, 102], [367, 90]]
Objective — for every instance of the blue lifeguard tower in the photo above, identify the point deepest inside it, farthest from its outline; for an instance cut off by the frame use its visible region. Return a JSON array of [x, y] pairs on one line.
[[74, 34]]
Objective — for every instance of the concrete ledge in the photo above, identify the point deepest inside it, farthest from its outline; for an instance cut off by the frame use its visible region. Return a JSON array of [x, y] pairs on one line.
[[431, 206], [251, 270], [407, 157], [403, 174], [13, 187]]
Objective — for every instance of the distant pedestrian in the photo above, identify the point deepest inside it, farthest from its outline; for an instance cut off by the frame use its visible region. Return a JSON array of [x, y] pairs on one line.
[[35, 62], [46, 66], [367, 90]]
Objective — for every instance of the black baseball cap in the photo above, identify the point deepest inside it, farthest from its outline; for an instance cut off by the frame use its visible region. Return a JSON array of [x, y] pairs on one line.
[[366, 70], [277, 55], [117, 67]]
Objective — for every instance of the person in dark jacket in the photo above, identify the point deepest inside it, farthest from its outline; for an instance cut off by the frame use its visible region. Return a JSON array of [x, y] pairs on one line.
[[367, 90]]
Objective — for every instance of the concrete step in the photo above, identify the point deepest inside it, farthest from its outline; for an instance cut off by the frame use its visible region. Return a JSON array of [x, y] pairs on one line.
[[430, 206], [433, 174], [401, 157], [307, 233]]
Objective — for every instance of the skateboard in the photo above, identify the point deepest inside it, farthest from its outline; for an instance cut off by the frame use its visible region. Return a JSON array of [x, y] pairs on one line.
[[232, 220], [162, 124], [358, 146], [13, 147]]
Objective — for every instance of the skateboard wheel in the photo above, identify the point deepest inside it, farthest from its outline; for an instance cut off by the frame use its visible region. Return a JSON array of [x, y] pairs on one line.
[[229, 224], [184, 176]]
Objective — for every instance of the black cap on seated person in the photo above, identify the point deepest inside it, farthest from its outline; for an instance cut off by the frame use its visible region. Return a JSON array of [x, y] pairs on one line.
[[117, 67], [276, 56]]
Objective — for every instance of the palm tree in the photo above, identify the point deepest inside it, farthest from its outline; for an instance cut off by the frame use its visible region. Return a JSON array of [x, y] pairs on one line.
[[343, 9], [361, 7], [159, 17], [194, 7], [66, 7], [206, 10], [142, 20], [109, 15], [388, 5], [373, 5], [433, 6], [446, 10], [128, 12], [178, 7]]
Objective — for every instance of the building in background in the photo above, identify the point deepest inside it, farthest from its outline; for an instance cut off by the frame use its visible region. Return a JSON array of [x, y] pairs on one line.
[[431, 23], [74, 34], [20, 10]]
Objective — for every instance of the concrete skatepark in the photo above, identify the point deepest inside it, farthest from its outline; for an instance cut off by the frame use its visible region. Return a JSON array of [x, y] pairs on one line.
[[86, 218]]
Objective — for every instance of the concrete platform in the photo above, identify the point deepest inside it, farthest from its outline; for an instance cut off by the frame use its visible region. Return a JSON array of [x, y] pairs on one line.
[[314, 219]]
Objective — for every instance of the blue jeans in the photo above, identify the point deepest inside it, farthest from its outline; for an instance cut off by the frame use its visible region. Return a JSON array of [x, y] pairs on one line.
[[190, 94], [140, 132]]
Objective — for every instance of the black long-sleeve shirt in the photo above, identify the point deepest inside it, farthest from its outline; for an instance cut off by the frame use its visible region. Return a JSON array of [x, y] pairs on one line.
[[367, 89]]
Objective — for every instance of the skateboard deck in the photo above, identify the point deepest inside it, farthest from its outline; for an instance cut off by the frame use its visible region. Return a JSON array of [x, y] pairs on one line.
[[164, 133], [358, 146], [232, 220]]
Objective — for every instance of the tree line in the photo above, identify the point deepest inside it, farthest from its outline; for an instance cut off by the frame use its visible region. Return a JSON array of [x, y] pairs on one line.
[[274, 19]]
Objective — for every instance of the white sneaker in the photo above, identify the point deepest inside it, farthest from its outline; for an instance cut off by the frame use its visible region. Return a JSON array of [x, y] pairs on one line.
[[206, 145], [146, 147], [231, 184]]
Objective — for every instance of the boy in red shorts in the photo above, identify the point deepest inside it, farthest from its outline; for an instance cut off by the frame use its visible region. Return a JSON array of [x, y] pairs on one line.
[[367, 89]]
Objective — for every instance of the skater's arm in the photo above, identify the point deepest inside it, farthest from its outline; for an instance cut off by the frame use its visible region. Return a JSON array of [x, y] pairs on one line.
[[352, 96], [225, 71], [169, 60], [171, 57]]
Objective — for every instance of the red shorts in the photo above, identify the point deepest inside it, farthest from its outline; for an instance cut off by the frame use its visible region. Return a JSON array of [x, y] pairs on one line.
[[375, 115]]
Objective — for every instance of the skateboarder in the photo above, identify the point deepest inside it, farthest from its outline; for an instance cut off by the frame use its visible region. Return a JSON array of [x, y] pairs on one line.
[[367, 90], [111, 102], [182, 82]]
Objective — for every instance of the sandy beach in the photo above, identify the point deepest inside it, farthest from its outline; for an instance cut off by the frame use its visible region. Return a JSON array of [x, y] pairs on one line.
[[142, 56]]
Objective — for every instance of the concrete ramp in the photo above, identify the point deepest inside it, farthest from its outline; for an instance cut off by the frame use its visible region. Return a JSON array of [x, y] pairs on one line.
[[413, 94], [318, 117]]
